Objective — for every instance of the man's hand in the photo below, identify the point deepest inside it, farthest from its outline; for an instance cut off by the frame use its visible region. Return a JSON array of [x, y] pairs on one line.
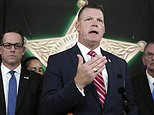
[[86, 72]]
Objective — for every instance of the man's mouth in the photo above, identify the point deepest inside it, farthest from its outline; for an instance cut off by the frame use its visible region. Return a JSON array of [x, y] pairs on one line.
[[12, 56], [93, 31], [152, 63]]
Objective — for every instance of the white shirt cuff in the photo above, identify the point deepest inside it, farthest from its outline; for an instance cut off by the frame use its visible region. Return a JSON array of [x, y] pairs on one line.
[[81, 91]]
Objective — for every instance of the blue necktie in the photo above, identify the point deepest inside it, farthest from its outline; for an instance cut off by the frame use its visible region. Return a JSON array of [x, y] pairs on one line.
[[153, 92], [12, 94]]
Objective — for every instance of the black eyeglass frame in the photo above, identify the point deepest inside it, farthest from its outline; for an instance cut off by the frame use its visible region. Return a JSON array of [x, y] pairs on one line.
[[9, 45]]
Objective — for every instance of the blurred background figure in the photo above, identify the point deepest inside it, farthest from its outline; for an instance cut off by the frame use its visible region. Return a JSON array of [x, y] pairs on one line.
[[33, 64], [20, 88], [143, 83]]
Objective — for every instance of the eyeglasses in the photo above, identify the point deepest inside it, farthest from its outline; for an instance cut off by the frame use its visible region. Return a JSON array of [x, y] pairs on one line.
[[149, 55], [9, 45]]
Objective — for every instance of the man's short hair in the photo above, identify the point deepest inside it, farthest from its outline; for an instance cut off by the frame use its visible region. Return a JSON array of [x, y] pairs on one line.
[[96, 6], [14, 31]]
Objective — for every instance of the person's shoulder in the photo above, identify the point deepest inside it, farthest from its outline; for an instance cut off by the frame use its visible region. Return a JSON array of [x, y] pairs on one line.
[[113, 57], [62, 53], [38, 76], [138, 76], [32, 74]]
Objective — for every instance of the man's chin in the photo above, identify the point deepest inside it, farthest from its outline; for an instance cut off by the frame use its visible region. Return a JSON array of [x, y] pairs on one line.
[[95, 41], [12, 62]]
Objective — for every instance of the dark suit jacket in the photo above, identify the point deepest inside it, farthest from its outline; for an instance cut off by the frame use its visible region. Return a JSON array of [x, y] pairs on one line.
[[143, 94], [60, 94], [28, 93]]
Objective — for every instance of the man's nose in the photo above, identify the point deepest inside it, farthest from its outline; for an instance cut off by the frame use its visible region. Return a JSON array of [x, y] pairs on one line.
[[153, 56], [12, 47], [94, 25]]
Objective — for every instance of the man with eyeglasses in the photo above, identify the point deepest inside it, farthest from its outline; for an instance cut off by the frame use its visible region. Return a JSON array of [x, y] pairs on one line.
[[143, 84], [19, 88]]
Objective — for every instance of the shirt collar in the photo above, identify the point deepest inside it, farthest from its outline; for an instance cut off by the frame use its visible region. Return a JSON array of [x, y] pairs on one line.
[[85, 50], [150, 79], [5, 70]]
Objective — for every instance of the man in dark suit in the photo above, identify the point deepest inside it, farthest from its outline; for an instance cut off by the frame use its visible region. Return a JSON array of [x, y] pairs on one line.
[[73, 76], [143, 84], [20, 97]]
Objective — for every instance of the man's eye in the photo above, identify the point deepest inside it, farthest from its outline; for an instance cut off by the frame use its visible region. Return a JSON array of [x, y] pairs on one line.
[[18, 45], [100, 20], [88, 19], [6, 45]]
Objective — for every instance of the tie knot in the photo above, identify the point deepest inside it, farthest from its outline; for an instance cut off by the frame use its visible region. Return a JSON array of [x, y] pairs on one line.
[[92, 53], [12, 73]]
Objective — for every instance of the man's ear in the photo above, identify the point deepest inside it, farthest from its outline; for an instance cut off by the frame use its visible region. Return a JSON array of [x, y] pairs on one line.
[[0, 50], [24, 50], [77, 26], [143, 60]]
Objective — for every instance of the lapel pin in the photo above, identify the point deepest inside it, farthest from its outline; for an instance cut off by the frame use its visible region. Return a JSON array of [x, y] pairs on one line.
[[109, 60], [26, 77]]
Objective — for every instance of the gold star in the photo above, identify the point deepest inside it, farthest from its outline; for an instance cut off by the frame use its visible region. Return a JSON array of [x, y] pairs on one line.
[[43, 48]]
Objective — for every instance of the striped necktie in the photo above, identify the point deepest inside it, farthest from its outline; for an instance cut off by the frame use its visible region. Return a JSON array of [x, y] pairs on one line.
[[12, 93], [99, 83]]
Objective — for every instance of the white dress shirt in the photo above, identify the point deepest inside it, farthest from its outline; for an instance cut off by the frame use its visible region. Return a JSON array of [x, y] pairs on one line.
[[151, 81], [6, 77]]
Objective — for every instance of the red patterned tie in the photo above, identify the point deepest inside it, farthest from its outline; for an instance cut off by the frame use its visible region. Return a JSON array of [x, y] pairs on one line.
[[99, 83]]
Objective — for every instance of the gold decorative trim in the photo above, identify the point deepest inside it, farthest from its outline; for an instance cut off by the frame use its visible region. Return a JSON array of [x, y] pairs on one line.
[[43, 48]]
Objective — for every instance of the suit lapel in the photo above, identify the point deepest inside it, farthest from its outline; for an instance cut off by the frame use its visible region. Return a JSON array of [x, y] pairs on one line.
[[23, 84], [72, 53], [146, 93], [2, 97], [111, 77]]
